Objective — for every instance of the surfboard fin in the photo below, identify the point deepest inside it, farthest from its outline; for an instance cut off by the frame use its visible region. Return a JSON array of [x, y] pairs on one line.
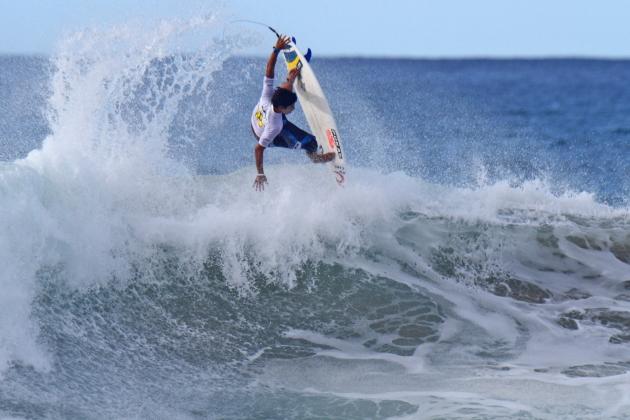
[[307, 56], [293, 40]]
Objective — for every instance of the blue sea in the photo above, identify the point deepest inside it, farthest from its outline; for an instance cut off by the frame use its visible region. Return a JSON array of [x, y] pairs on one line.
[[476, 265]]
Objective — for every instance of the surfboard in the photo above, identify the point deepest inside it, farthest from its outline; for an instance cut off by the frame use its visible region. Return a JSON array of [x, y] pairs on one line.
[[316, 109]]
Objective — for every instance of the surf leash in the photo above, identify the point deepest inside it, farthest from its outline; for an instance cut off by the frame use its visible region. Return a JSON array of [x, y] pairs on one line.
[[257, 23]]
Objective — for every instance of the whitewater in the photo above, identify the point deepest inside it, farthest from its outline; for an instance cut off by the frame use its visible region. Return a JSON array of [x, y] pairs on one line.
[[143, 277]]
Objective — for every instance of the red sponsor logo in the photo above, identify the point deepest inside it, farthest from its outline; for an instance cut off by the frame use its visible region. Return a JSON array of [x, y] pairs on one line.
[[331, 139]]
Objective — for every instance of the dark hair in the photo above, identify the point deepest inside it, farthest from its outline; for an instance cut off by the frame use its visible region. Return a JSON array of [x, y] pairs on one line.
[[283, 98]]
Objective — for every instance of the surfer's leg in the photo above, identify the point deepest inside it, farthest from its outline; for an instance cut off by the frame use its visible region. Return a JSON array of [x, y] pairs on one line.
[[307, 142], [296, 138], [293, 137], [285, 138]]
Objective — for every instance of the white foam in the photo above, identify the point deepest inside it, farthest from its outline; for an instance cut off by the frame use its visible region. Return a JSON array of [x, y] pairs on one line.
[[71, 205]]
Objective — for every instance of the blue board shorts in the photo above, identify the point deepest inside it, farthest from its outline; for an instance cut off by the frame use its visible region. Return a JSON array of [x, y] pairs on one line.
[[293, 137]]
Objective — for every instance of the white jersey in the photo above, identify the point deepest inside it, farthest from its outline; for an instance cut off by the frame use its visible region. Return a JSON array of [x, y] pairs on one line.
[[266, 123]]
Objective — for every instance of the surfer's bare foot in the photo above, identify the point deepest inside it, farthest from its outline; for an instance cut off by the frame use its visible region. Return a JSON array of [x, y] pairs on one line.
[[323, 158]]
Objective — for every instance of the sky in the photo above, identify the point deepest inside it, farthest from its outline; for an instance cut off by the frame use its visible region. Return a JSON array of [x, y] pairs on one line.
[[390, 28]]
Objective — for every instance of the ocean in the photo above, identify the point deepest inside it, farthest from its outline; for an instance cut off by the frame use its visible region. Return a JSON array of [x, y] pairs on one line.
[[476, 265]]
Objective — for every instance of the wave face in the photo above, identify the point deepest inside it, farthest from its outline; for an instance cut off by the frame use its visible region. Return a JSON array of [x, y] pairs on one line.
[[463, 272]]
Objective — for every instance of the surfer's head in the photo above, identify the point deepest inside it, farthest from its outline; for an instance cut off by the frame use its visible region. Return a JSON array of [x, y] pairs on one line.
[[283, 100]]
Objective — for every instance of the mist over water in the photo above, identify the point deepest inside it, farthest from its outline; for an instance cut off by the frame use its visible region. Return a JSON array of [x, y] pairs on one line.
[[476, 265]]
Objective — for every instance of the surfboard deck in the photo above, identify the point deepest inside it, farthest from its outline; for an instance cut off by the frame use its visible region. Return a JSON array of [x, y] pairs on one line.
[[316, 109]]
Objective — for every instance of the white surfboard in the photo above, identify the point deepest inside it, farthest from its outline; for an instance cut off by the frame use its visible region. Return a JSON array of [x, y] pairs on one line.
[[316, 109]]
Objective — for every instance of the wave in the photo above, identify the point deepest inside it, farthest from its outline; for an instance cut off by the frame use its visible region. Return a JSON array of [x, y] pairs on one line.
[[123, 266], [511, 240], [388, 268]]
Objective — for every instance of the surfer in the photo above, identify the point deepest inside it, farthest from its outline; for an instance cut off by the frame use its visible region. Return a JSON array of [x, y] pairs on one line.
[[269, 121]]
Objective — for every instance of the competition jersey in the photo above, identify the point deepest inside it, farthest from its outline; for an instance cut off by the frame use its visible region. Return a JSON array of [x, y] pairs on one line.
[[266, 123]]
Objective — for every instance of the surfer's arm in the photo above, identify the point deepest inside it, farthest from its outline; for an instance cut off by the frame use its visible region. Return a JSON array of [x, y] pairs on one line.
[[258, 156], [282, 42], [261, 179], [288, 85]]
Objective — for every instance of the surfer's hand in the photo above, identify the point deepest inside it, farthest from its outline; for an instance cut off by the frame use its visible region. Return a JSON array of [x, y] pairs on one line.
[[282, 42], [259, 182], [292, 75]]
